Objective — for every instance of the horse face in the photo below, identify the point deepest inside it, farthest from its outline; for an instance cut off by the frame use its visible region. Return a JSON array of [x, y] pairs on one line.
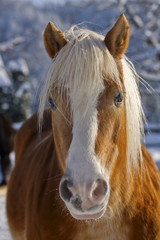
[[87, 144], [89, 149]]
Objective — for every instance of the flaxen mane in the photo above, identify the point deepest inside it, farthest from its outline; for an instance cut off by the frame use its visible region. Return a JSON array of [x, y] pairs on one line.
[[70, 70]]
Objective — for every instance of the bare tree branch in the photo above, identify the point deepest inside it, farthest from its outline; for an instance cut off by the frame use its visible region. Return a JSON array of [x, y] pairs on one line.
[[9, 45]]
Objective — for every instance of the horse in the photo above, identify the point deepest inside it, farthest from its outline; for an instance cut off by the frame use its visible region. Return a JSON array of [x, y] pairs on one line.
[[7, 134], [81, 170]]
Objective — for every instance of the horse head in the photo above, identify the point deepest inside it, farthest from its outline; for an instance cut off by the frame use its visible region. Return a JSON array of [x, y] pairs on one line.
[[92, 91]]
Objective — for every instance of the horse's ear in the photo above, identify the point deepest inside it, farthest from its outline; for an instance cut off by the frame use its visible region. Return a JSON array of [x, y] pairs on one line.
[[117, 38], [53, 39]]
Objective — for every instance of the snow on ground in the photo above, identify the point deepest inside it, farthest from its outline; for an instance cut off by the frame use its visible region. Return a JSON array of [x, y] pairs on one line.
[[4, 232]]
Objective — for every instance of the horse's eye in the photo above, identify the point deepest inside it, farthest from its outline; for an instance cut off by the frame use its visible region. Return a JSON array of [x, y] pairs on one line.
[[118, 99], [52, 103]]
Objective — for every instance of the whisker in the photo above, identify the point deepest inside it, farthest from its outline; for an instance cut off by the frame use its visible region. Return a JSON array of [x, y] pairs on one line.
[[53, 178], [54, 190]]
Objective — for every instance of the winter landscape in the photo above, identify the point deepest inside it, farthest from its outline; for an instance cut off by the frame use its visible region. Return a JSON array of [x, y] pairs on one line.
[[24, 63]]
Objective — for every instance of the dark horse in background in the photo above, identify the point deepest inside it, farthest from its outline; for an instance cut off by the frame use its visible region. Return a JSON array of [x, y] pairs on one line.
[[7, 134]]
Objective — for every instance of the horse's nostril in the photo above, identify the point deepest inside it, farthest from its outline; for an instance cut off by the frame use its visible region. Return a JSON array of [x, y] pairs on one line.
[[64, 190], [105, 186], [77, 202], [101, 189]]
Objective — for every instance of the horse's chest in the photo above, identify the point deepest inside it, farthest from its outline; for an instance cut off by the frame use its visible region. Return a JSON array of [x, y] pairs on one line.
[[103, 231]]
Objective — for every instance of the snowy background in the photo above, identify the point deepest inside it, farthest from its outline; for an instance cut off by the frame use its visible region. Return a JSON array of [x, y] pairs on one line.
[[24, 62]]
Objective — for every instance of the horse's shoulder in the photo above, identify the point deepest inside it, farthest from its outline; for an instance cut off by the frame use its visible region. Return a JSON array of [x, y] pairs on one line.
[[146, 154], [149, 162], [152, 172], [29, 130]]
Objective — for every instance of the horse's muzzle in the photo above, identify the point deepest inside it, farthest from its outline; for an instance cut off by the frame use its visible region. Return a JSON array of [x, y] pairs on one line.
[[85, 200]]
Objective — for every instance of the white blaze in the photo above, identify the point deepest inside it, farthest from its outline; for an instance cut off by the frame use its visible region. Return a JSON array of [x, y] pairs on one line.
[[82, 161]]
